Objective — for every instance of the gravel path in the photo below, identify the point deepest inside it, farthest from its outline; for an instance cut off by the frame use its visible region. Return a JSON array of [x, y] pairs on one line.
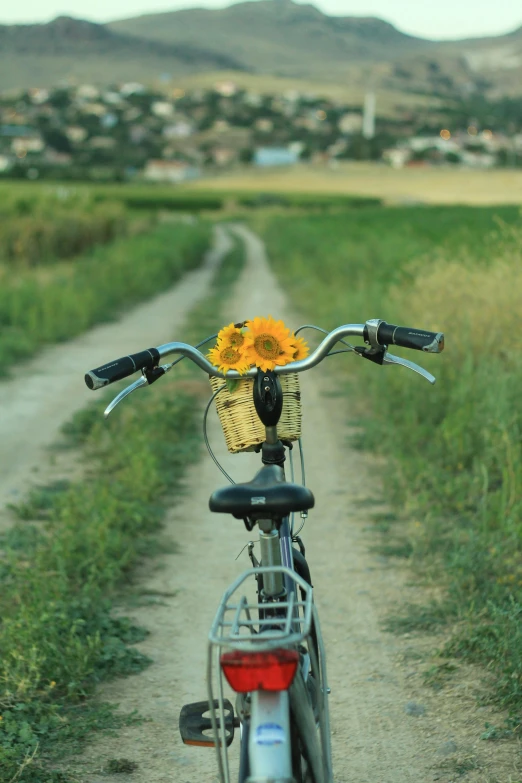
[[43, 393]]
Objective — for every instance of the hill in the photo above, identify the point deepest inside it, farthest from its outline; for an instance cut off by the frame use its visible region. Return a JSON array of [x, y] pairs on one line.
[[43, 54], [283, 38], [276, 38], [279, 36]]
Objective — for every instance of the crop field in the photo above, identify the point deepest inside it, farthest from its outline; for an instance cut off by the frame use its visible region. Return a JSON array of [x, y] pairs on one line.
[[441, 185], [453, 451], [139, 202]]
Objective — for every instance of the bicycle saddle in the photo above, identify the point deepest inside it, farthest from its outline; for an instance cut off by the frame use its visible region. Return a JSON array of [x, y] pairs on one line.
[[268, 495]]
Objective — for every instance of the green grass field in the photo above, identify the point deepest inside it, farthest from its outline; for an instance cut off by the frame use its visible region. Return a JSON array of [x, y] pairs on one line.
[[22, 199], [72, 256], [453, 451]]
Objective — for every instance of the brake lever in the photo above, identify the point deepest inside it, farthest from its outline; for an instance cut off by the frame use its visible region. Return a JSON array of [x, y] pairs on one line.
[[389, 358], [381, 356], [142, 381], [147, 377]]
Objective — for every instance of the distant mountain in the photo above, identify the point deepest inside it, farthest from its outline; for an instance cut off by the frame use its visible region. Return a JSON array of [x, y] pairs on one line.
[[41, 54], [270, 37], [290, 39], [278, 36]]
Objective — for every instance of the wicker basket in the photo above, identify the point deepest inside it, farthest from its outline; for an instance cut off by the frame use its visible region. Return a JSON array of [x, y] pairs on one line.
[[241, 425]]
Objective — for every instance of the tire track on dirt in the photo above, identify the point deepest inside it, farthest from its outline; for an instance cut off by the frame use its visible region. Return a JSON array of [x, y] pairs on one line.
[[374, 740], [45, 391]]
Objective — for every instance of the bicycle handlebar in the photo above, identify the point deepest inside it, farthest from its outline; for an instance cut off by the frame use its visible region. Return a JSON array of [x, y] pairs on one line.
[[379, 333], [121, 368], [376, 333]]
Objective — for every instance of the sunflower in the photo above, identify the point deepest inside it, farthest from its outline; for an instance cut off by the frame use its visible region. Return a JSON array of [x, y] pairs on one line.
[[268, 343], [231, 335], [301, 349], [227, 357]]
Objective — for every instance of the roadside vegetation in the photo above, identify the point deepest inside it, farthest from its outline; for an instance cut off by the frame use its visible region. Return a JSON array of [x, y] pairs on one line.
[[73, 256], [453, 451], [40, 226], [46, 304], [23, 199], [71, 554]]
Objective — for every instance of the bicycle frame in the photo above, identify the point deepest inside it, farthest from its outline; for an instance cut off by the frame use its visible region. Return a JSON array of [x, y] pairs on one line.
[[269, 735]]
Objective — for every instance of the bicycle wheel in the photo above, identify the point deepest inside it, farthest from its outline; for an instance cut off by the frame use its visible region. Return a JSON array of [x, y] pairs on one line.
[[307, 756]]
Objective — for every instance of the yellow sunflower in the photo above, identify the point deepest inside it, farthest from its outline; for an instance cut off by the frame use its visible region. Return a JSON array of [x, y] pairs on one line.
[[227, 357], [268, 343], [231, 335], [301, 349]]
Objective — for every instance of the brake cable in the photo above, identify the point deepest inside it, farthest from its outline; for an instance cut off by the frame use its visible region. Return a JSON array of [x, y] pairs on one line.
[[325, 331], [205, 434], [198, 345]]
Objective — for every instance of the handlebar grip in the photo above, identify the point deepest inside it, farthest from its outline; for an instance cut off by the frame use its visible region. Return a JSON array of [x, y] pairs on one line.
[[121, 368], [409, 337]]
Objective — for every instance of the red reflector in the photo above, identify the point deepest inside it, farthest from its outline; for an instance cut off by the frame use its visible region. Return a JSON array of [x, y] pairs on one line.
[[260, 671]]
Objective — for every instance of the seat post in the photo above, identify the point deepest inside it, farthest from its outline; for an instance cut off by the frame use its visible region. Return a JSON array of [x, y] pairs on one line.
[[270, 556]]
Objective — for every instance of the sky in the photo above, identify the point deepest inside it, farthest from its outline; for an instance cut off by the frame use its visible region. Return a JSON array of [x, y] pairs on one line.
[[426, 18]]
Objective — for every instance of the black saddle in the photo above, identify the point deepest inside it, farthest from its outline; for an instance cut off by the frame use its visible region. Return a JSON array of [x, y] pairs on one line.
[[267, 496]]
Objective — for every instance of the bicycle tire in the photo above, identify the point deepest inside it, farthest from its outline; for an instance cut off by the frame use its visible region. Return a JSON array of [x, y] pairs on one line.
[[305, 736]]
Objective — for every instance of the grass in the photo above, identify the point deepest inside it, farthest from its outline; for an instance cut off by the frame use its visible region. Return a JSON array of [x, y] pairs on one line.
[[115, 766], [453, 451], [65, 299], [58, 637], [71, 554], [418, 617]]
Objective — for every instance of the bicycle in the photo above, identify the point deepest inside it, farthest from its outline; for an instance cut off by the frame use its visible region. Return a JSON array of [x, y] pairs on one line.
[[269, 648]]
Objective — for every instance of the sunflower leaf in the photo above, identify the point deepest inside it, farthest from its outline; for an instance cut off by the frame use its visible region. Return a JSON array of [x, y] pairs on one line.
[[232, 384]]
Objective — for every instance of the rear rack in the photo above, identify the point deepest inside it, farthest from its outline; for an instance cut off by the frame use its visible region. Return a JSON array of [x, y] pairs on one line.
[[240, 624], [255, 626]]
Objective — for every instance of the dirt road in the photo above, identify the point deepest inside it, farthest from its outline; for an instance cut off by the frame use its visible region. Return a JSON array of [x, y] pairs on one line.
[[387, 726], [44, 392], [374, 736]]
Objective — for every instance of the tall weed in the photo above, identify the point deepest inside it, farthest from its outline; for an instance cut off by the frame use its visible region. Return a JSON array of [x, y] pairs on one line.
[[454, 451], [38, 307], [462, 463], [39, 227]]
